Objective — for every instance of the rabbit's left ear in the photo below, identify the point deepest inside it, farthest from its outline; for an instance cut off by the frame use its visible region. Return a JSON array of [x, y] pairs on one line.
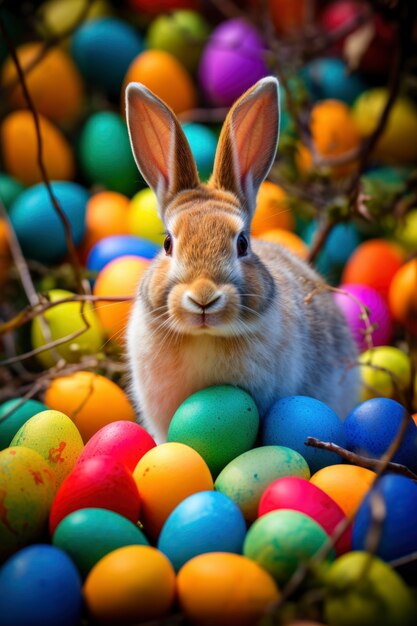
[[248, 142]]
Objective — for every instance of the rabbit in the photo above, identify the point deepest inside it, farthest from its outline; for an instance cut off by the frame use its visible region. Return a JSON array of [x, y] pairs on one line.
[[216, 307]]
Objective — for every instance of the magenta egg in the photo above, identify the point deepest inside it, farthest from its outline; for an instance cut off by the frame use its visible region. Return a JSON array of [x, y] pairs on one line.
[[232, 61], [298, 494]]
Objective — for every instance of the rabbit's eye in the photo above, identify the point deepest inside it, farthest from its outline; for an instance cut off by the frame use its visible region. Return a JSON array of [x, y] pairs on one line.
[[168, 245], [242, 245]]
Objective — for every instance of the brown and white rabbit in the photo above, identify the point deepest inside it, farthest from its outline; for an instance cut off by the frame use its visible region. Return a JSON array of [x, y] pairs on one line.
[[216, 307]]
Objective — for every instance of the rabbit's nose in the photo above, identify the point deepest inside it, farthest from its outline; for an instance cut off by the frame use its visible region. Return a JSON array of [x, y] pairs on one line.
[[198, 303]]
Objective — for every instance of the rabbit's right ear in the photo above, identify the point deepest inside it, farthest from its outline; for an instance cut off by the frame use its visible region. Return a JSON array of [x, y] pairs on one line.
[[159, 145]]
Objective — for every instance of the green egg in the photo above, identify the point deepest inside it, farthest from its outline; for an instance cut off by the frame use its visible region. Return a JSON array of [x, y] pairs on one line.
[[219, 422], [10, 188], [283, 540], [245, 478], [89, 534], [13, 414]]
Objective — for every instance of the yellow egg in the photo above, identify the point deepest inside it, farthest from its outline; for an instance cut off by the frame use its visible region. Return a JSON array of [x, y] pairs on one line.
[[20, 149], [58, 16], [143, 218], [27, 488], [129, 585], [55, 437]]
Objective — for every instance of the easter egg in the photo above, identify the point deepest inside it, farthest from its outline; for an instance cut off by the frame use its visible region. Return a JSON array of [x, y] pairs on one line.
[[120, 277], [281, 541], [272, 210], [341, 243], [42, 237], [398, 532], [40, 586], [10, 188], [397, 143], [362, 590], [20, 149], [54, 83], [372, 427], [203, 144], [329, 77], [402, 296], [124, 441], [92, 401], [130, 585], [246, 477], [291, 420], [219, 422], [182, 33], [204, 522], [366, 314], [287, 239], [232, 61], [113, 247], [374, 263], [100, 482], [405, 233], [88, 535], [105, 154], [64, 320], [143, 218], [345, 484], [385, 371], [27, 488], [165, 476], [56, 17], [166, 77], [208, 593], [13, 414], [106, 215], [55, 437]]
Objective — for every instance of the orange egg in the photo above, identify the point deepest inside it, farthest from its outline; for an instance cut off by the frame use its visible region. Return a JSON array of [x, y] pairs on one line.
[[4, 250], [106, 215], [334, 133], [272, 210], [166, 77], [402, 296], [287, 239], [346, 484], [90, 400], [225, 589], [20, 149], [54, 83], [415, 418], [120, 277]]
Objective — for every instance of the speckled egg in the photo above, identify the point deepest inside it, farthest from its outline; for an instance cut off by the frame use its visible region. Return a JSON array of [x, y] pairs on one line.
[[13, 414]]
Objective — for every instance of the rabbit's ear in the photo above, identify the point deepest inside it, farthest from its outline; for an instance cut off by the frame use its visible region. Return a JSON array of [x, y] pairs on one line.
[[248, 142], [161, 150]]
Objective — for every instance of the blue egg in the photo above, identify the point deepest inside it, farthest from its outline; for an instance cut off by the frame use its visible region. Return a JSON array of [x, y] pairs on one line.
[[372, 427], [330, 78], [291, 420], [115, 246], [399, 530], [204, 522], [103, 49], [38, 226], [40, 586], [203, 144]]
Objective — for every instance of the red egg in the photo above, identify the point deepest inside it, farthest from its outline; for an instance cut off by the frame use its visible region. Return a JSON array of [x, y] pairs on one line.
[[301, 495], [100, 482], [124, 441]]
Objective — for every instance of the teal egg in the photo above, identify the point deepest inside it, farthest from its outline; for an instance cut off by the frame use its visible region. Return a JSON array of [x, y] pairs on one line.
[[327, 78], [10, 188], [245, 478], [283, 540], [89, 534], [105, 154], [203, 144], [13, 414], [219, 422]]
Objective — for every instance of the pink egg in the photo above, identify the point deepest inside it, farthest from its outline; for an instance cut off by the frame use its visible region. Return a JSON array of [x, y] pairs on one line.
[[301, 495], [124, 441], [100, 482]]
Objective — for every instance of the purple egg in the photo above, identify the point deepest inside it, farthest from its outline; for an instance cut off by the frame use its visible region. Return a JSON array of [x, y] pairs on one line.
[[232, 61], [378, 313]]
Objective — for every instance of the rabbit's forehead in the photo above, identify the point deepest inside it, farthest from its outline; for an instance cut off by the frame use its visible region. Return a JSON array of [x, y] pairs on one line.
[[209, 223]]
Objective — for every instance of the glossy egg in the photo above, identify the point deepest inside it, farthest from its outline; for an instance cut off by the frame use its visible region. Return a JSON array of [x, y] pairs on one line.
[[13, 414], [165, 476], [55, 437], [385, 371], [144, 220], [106, 215], [57, 16], [341, 243], [281, 541], [291, 420], [219, 422], [272, 210], [405, 233], [10, 189], [99, 482], [42, 237], [402, 296], [208, 593], [203, 144], [92, 401], [89, 534], [130, 585], [245, 478], [345, 484], [113, 247], [330, 77], [27, 488], [207, 521]]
